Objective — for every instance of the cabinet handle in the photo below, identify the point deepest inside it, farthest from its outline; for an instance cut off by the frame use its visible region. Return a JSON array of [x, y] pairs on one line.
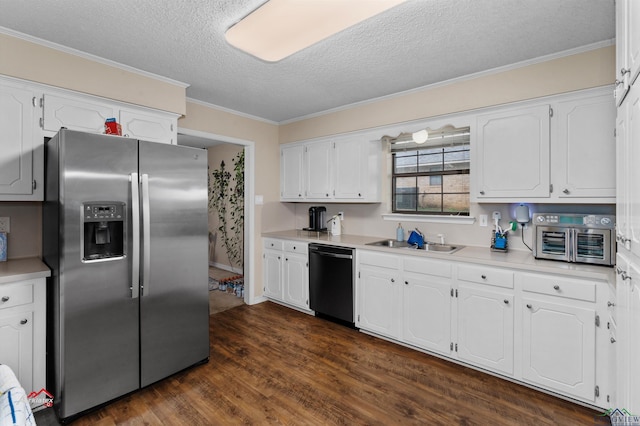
[[566, 191], [327, 195], [624, 71], [359, 194], [610, 304], [619, 82], [24, 321], [392, 280], [286, 259], [613, 340], [556, 287], [529, 305], [484, 277], [5, 298], [406, 282], [506, 302], [481, 192]]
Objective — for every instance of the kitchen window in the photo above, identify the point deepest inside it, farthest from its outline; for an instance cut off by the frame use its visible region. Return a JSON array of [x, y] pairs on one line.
[[431, 178]]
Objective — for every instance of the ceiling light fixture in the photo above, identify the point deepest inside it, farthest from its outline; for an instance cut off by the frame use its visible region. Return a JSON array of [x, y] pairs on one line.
[[280, 28]]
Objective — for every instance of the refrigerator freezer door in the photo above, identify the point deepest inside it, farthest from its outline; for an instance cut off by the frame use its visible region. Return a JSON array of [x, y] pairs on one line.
[[174, 301], [96, 342]]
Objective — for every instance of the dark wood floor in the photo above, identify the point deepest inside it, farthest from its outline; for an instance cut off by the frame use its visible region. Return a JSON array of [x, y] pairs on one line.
[[273, 365]]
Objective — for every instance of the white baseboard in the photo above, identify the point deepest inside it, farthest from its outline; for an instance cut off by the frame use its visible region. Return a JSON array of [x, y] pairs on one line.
[[226, 267]]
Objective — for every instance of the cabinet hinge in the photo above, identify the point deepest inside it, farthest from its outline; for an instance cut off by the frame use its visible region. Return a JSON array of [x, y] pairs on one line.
[[42, 102], [307, 264], [597, 320], [456, 347], [451, 292], [451, 346], [33, 102], [172, 127], [608, 398], [615, 133], [41, 123], [33, 185], [550, 187], [597, 391], [358, 274], [307, 302], [358, 317], [456, 292], [550, 112]]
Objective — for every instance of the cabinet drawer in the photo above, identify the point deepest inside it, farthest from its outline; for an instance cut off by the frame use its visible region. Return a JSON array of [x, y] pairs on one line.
[[14, 295], [378, 259], [296, 247], [485, 275], [273, 244], [428, 267], [562, 287]]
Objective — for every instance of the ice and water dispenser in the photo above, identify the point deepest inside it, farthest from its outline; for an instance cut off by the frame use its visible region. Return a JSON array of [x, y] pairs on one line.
[[104, 231]]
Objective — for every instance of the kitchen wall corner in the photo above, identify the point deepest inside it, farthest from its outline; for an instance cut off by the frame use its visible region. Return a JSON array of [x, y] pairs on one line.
[[25, 238]]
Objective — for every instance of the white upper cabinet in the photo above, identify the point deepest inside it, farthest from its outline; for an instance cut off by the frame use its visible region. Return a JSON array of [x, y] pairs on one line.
[[559, 151], [76, 114], [583, 148], [148, 127], [21, 145], [341, 169], [512, 153], [291, 173]]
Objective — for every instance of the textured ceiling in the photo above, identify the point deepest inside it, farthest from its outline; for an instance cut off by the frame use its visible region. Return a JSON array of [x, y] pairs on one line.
[[417, 43]]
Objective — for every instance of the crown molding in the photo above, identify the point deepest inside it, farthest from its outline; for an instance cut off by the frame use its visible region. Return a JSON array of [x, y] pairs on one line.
[[231, 111]]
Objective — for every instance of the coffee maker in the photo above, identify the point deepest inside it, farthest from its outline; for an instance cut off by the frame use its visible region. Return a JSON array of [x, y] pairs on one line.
[[317, 221]]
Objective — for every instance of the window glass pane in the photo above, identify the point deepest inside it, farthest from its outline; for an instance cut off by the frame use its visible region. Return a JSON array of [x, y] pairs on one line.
[[430, 203], [430, 163], [430, 184], [456, 160], [405, 191], [405, 164], [456, 203], [455, 183]]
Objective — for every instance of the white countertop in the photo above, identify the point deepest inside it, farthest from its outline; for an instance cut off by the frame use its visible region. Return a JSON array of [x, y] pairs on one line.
[[517, 259], [23, 269]]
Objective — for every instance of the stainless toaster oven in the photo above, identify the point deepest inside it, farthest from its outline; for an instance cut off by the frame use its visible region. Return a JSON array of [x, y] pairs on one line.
[[583, 238]]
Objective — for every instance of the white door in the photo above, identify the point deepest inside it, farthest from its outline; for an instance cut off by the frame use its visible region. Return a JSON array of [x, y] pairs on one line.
[[148, 127], [318, 169], [505, 136], [76, 114], [558, 347], [17, 142], [296, 280], [291, 172], [379, 296], [348, 158], [485, 328], [426, 307], [584, 148], [272, 274]]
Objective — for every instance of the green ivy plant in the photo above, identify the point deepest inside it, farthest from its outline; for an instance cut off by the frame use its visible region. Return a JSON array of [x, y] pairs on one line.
[[226, 197]]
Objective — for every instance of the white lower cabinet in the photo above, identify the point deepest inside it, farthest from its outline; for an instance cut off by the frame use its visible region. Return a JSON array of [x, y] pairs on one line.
[[550, 331], [23, 331], [286, 272]]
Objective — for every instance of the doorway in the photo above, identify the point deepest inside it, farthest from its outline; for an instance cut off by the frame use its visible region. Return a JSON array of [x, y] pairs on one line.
[[206, 140]]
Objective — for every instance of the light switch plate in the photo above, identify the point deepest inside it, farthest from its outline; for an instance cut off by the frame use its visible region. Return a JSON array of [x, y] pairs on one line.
[[483, 220], [5, 224]]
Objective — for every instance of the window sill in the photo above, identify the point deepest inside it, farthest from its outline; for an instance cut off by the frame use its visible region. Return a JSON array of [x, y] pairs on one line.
[[460, 220]]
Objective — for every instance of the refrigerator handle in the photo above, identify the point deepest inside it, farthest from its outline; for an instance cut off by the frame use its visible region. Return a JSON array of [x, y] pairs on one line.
[[146, 238], [135, 224]]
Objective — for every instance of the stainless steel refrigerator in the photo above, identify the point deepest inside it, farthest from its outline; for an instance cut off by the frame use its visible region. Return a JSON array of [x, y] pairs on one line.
[[125, 233]]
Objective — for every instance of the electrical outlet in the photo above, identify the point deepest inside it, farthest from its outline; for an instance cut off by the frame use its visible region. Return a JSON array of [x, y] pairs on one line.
[[496, 215], [5, 224], [483, 220]]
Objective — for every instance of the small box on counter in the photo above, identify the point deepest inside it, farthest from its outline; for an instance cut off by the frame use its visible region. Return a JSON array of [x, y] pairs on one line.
[[112, 127], [3, 246]]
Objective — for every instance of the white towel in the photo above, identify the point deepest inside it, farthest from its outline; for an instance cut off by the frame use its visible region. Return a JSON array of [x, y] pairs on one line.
[[14, 405]]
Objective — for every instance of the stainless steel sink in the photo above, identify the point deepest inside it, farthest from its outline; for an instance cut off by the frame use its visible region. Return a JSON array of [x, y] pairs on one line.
[[390, 244], [440, 248]]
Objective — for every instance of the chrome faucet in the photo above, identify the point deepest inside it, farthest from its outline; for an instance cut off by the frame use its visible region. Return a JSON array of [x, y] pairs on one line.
[[441, 236]]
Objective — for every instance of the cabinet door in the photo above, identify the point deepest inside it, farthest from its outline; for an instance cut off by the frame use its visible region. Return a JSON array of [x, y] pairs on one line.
[[622, 77], [583, 148], [485, 328], [18, 141], [16, 350], [633, 347], [633, 135], [318, 169], [558, 349], [426, 308], [148, 127], [291, 173], [76, 114], [349, 169], [633, 39], [623, 171], [296, 280], [512, 153], [379, 296], [272, 274]]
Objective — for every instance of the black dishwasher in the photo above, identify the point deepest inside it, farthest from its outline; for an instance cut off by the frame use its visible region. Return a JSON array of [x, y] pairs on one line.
[[331, 282]]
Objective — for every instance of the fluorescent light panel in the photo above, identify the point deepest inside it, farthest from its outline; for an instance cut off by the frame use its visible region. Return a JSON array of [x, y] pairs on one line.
[[280, 28]]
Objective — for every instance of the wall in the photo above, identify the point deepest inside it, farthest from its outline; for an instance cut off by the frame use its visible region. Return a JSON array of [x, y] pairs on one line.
[[25, 238], [217, 154], [34, 62], [580, 71]]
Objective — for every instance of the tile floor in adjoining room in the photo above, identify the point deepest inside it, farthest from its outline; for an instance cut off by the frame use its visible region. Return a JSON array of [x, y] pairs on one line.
[[220, 301]]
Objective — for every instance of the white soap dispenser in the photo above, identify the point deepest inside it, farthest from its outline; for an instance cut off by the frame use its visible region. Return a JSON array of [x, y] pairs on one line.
[[399, 233]]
